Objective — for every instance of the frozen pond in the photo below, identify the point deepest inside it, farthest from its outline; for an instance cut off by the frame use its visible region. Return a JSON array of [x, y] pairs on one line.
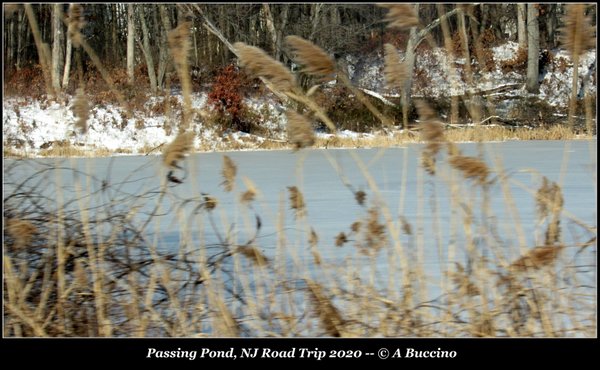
[[397, 190]]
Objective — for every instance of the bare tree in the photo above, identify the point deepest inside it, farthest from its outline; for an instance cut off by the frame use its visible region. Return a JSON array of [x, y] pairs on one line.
[[522, 24], [163, 54], [130, 44], [146, 49], [67, 70], [56, 45], [533, 42]]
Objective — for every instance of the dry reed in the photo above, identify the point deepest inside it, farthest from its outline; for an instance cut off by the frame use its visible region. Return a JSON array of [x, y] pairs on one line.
[[375, 236], [401, 16], [537, 258], [209, 203], [179, 148], [395, 70], [471, 168], [315, 61], [229, 171], [549, 202], [258, 64], [180, 46], [76, 22], [432, 133], [299, 130], [250, 194], [330, 318], [81, 110], [254, 254], [313, 241], [577, 34], [341, 239], [22, 231], [297, 201], [549, 199], [360, 197], [179, 42]]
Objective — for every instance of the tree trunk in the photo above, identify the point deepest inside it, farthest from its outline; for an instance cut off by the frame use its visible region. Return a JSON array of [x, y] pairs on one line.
[[20, 36], [146, 49], [409, 62], [551, 25], [163, 59], [113, 28], [522, 25], [282, 27], [56, 42], [472, 105], [9, 39], [448, 44], [316, 20], [67, 71], [533, 41], [130, 42], [272, 32], [42, 49]]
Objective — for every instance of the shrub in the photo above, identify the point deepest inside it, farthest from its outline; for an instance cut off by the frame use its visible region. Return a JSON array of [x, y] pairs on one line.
[[517, 64], [27, 81], [347, 111], [226, 99]]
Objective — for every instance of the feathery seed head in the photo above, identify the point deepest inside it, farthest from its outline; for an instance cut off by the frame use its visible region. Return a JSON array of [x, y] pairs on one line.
[[316, 61], [178, 149], [401, 16], [395, 71], [300, 132], [258, 64]]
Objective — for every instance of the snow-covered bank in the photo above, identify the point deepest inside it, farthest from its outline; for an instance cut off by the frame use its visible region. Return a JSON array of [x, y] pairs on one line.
[[32, 127]]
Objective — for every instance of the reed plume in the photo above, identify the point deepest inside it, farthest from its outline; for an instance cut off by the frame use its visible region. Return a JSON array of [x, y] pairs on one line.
[[229, 171], [402, 16], [375, 236], [297, 201], [360, 197], [329, 317], [258, 64], [250, 194], [313, 241], [537, 258], [178, 149], [471, 168], [549, 199], [395, 70], [253, 254], [10, 10], [406, 227], [300, 132], [76, 21], [179, 42], [432, 130], [341, 239], [315, 61], [80, 275], [463, 282], [432, 133], [22, 231], [577, 35], [81, 110], [180, 46], [549, 202], [209, 203]]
